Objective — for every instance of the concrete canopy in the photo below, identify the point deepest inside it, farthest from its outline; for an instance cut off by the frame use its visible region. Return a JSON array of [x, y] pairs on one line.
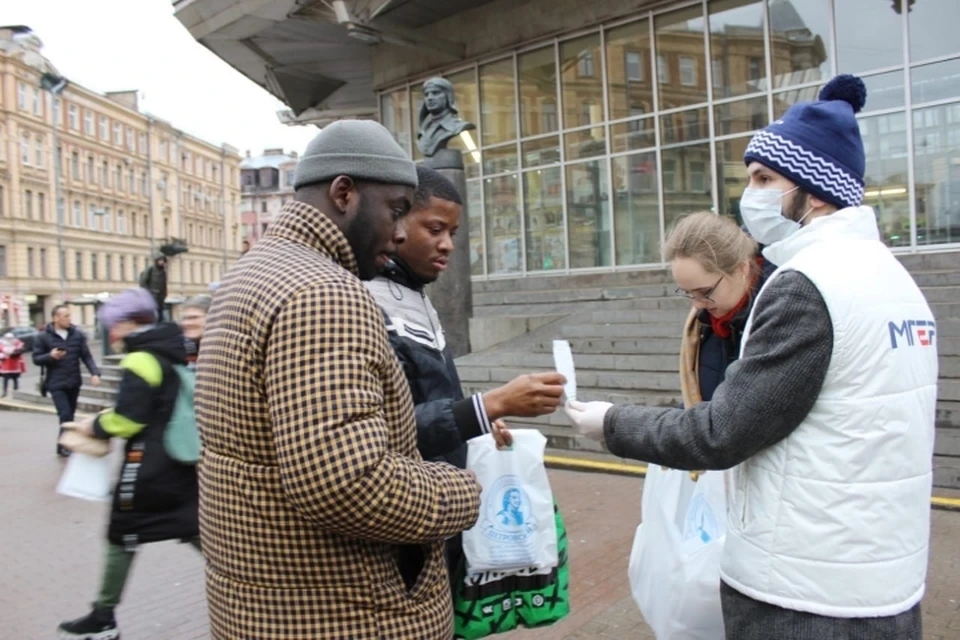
[[316, 55]]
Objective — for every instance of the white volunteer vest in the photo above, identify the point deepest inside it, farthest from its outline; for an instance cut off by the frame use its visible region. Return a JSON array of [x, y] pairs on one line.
[[835, 519]]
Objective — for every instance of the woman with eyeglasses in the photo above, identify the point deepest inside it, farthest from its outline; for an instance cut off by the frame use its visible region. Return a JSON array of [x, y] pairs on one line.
[[719, 268]]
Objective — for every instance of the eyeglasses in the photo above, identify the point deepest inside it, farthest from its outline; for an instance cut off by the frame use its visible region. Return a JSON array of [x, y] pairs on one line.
[[700, 297]]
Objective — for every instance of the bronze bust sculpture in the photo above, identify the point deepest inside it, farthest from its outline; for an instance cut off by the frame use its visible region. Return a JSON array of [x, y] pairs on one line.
[[439, 119]]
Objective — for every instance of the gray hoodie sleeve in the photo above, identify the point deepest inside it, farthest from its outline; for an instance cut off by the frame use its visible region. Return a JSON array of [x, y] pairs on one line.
[[766, 394]]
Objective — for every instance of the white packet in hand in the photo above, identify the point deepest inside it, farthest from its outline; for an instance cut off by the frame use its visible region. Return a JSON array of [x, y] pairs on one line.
[[563, 361]]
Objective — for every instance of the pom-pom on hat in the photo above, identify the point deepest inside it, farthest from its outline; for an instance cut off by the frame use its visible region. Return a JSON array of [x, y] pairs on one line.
[[817, 145]]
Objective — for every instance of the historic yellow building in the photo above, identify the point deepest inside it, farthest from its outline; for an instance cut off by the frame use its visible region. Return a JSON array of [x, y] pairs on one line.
[[129, 184]]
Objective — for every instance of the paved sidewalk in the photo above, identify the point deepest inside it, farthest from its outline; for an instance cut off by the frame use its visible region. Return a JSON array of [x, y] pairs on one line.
[[50, 550]]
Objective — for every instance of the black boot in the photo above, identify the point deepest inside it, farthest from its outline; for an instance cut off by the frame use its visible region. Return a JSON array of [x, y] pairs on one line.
[[62, 451], [99, 624]]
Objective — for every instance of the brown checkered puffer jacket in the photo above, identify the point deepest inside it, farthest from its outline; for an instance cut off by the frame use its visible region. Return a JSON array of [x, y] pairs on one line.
[[313, 498]]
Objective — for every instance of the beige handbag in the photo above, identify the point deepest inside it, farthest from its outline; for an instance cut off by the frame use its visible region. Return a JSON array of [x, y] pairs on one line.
[[81, 443]]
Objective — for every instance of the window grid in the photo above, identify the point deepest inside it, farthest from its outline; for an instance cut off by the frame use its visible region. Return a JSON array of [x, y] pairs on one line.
[[659, 68]]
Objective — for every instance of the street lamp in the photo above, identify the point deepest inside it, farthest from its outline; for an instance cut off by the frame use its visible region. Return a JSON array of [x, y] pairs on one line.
[[55, 85]]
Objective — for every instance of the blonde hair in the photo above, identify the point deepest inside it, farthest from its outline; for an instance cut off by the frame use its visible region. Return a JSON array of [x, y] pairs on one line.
[[714, 241]]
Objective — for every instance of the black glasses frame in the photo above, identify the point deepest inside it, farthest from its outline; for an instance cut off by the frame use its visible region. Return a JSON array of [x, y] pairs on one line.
[[703, 297]]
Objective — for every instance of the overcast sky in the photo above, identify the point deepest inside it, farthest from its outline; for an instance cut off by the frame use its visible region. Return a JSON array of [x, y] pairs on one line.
[[112, 45]]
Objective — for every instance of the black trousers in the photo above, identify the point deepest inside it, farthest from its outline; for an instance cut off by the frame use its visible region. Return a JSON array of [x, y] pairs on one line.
[[11, 377], [65, 400]]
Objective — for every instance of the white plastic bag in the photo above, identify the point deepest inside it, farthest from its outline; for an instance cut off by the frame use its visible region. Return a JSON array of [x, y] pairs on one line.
[[516, 527], [87, 477], [675, 562]]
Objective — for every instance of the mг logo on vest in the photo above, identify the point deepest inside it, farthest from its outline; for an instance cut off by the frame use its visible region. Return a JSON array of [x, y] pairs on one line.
[[912, 333]]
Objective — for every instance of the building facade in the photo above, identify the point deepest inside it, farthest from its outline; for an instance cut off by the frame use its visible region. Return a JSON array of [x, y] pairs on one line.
[[129, 183], [598, 124], [266, 183], [589, 145]]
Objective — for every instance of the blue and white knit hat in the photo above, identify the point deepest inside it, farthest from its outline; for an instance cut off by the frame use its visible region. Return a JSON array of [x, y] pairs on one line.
[[817, 145]]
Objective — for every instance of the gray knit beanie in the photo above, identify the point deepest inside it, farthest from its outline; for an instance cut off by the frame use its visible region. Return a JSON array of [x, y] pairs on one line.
[[201, 302], [360, 149]]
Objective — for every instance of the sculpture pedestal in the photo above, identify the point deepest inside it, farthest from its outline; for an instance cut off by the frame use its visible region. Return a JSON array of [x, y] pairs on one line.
[[452, 293]]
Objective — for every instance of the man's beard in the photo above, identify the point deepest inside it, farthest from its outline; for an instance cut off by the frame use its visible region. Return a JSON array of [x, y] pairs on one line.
[[361, 235], [798, 207]]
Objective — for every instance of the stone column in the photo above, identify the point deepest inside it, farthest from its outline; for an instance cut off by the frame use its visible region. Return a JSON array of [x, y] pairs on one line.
[[452, 293]]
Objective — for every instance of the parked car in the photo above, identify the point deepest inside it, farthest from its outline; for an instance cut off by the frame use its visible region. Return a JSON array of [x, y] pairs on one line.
[[26, 335]]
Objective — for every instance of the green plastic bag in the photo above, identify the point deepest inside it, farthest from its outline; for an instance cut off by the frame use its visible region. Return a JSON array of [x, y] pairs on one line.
[[493, 602]]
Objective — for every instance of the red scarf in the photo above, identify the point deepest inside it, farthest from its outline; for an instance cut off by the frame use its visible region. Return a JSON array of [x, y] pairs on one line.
[[721, 325]]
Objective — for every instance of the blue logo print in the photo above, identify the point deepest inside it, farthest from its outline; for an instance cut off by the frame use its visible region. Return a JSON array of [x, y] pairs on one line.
[[700, 522], [912, 332], [508, 517]]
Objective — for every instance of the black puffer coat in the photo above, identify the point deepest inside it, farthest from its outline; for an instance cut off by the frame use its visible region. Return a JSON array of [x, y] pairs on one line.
[[65, 372], [156, 497], [445, 419]]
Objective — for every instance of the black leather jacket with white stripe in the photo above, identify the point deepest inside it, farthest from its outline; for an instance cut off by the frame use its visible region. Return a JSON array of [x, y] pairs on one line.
[[445, 418]]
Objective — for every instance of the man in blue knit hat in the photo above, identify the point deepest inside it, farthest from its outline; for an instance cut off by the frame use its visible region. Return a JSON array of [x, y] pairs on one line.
[[827, 420]]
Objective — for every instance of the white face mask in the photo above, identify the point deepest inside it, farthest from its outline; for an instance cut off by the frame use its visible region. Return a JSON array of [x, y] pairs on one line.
[[762, 212]]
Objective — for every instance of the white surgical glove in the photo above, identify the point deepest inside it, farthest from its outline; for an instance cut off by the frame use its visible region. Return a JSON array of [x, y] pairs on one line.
[[587, 417]]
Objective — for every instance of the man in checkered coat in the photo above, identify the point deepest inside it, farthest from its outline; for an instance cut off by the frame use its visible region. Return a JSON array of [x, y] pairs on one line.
[[318, 517]]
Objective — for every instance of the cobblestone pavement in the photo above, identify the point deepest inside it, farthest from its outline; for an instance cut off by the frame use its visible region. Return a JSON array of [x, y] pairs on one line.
[[50, 549]]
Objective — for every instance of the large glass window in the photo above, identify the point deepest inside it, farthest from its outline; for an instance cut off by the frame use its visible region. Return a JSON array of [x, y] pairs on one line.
[[581, 81], [736, 46], [885, 144], [933, 28], [588, 215], [498, 102], [687, 181], [538, 92], [938, 81], [501, 199], [465, 92], [684, 126], [681, 53], [395, 116], [800, 41], [731, 175], [540, 151], [632, 135], [884, 91], [500, 159], [585, 143], [475, 211], [565, 171], [629, 82], [936, 145], [543, 218], [636, 209], [860, 49], [741, 116], [785, 99]]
